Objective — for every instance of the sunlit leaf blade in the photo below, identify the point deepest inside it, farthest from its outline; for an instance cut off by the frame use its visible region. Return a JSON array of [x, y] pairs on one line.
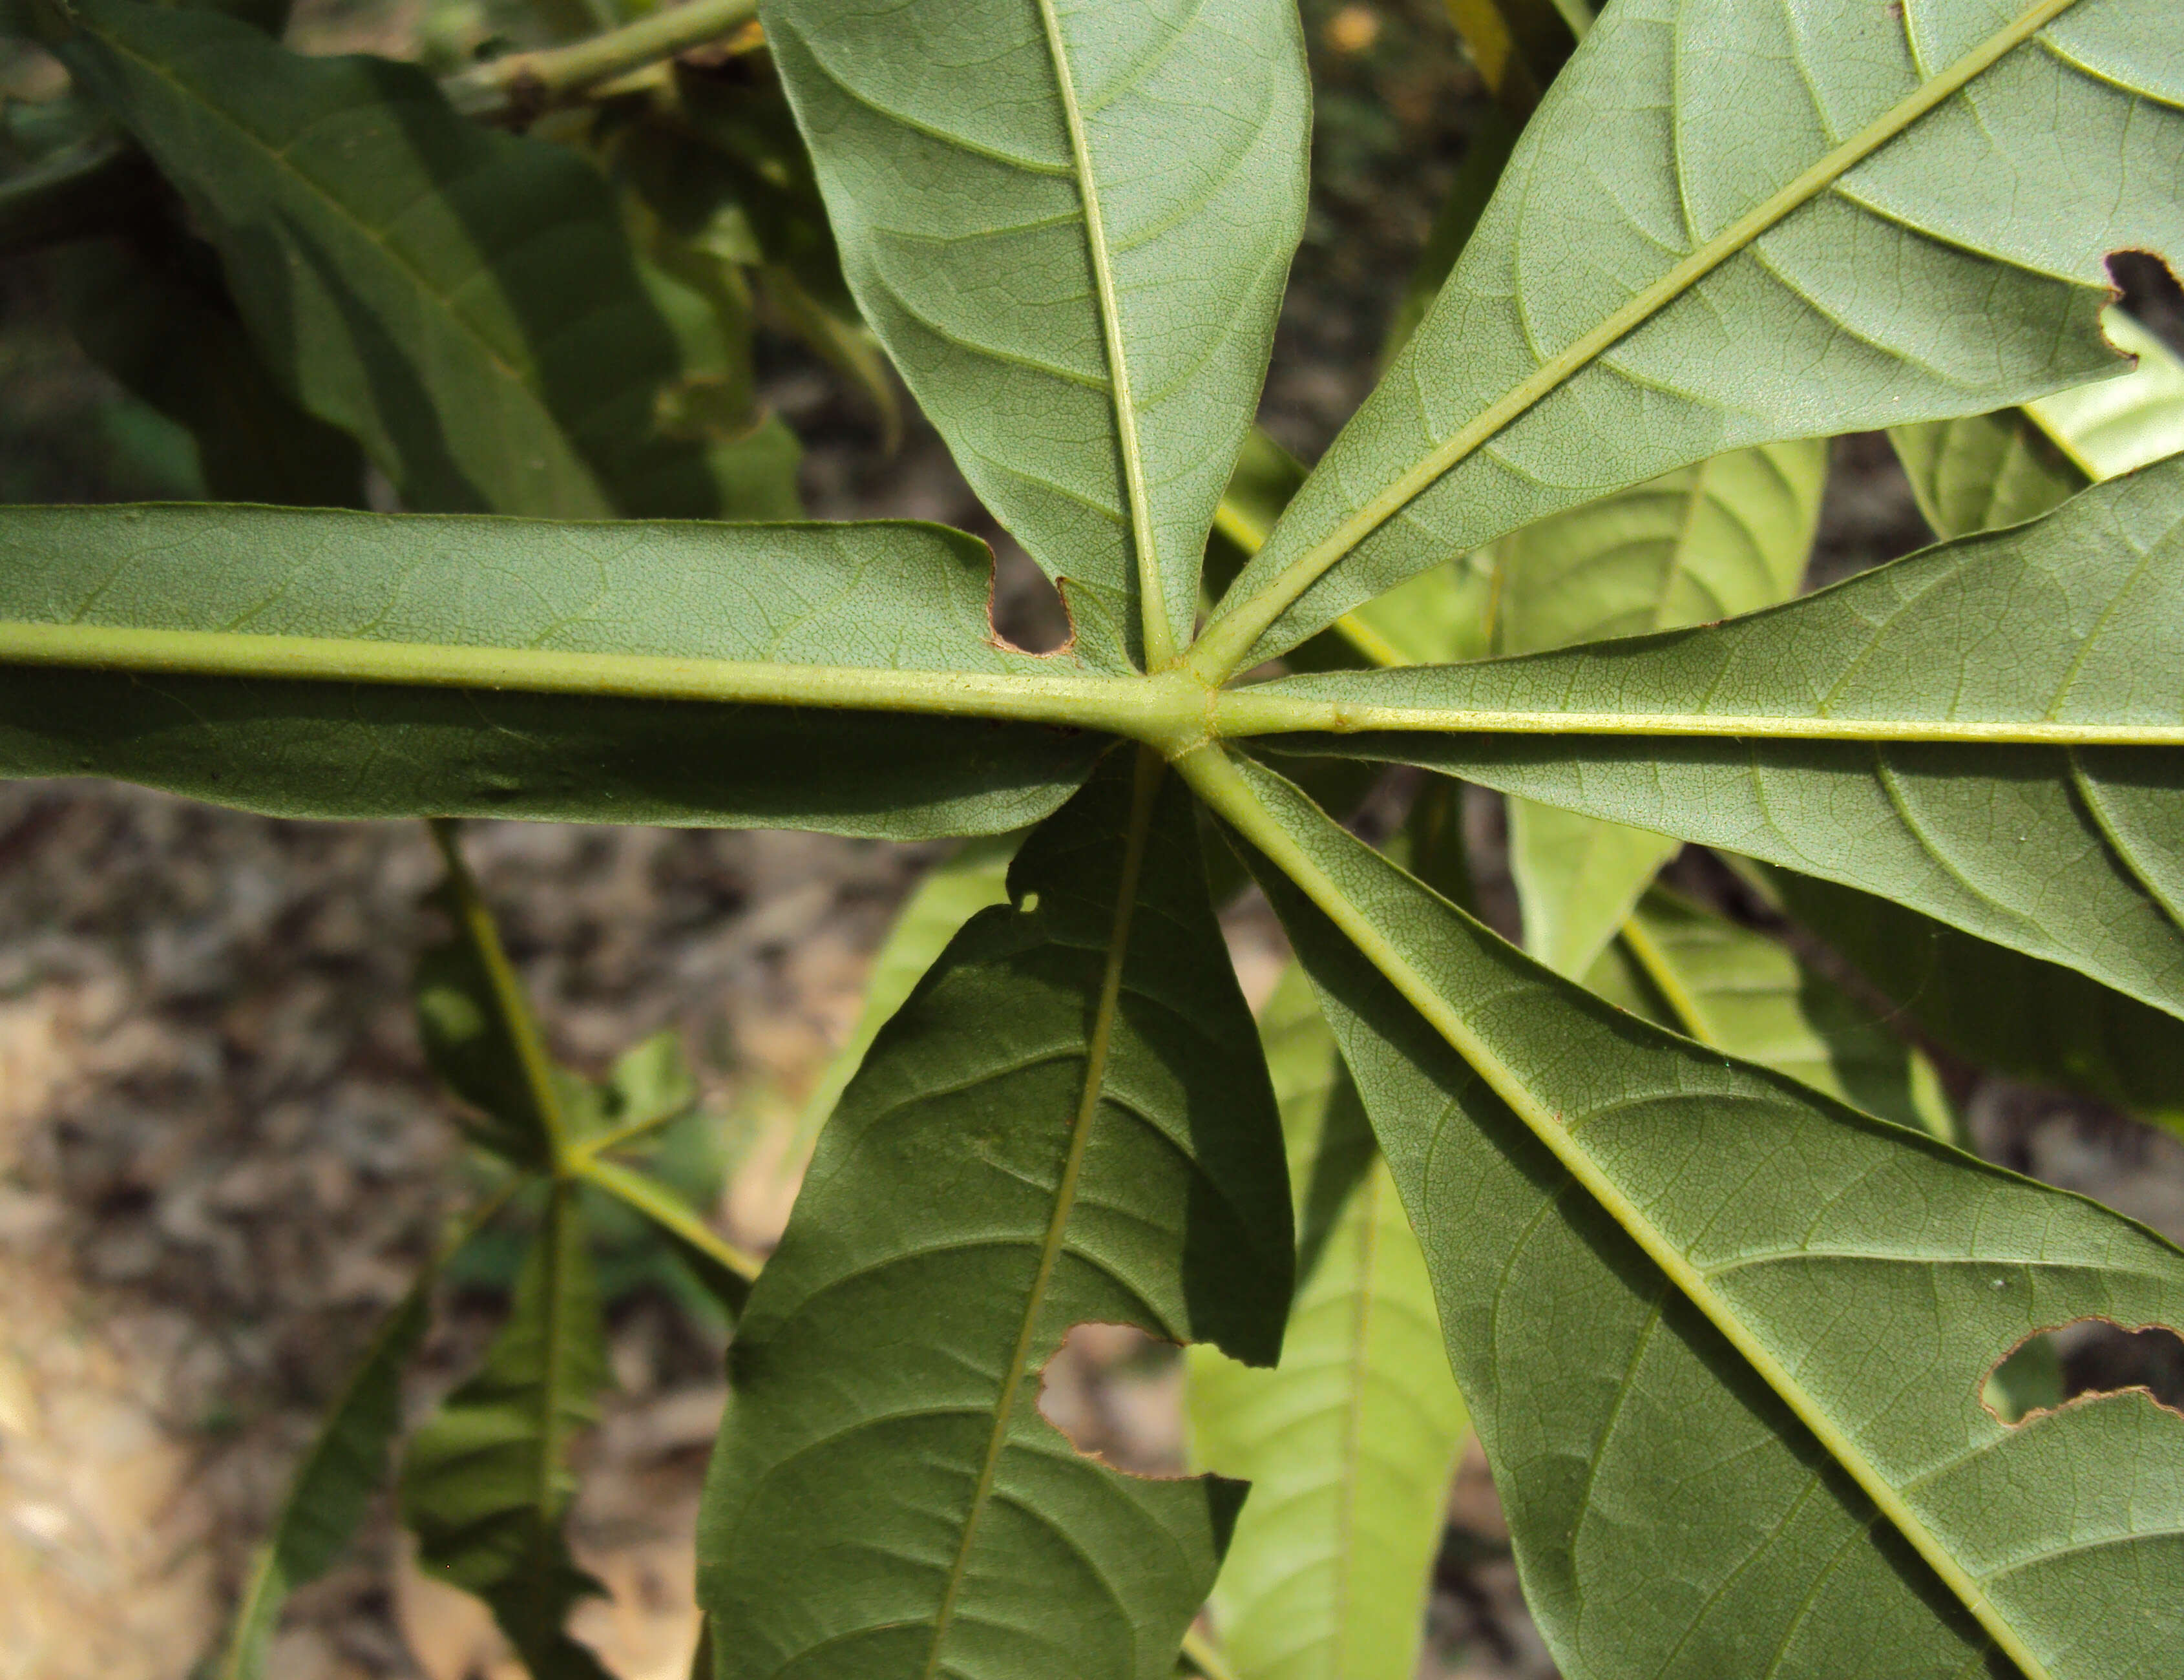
[[1348, 1446], [1728, 535], [1995, 470], [463, 302], [877, 597], [952, 892], [2032, 1019], [1798, 220], [344, 1467], [2067, 853], [1984, 472], [486, 1480], [1070, 224], [1069, 1121], [1737, 1426], [1702, 975], [2118, 425]]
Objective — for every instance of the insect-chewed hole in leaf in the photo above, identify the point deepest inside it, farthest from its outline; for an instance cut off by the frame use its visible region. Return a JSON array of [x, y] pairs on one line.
[[2086, 1357], [1117, 1394], [1024, 609]]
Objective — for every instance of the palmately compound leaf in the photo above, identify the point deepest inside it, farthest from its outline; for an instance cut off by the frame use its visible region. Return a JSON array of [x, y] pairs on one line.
[[1725, 1340], [1731, 987], [1349, 1444], [1070, 225], [449, 622], [2032, 1019], [343, 1468], [1796, 219], [1069, 1121], [1990, 470], [1728, 535], [1988, 732], [486, 1480], [465, 302]]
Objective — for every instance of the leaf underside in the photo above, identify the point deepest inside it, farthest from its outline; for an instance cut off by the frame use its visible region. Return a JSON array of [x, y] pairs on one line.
[[1954, 267], [1069, 1121], [883, 596], [1347, 1446], [1023, 188], [1728, 535], [2068, 855], [1760, 1316]]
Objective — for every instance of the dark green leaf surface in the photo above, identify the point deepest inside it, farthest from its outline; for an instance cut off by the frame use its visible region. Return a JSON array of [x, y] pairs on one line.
[[151, 310], [1069, 1121], [486, 1480], [2069, 854], [1738, 990], [2032, 1019], [1728, 535], [887, 597], [345, 1466], [1349, 1445], [1794, 221], [1070, 225], [1725, 1340], [953, 892], [465, 302]]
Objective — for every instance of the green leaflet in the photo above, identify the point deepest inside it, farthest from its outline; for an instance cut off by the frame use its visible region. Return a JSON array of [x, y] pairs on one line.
[[486, 1480], [952, 892], [1797, 220], [1727, 536], [1070, 225], [874, 596], [1069, 1120], [327, 1496], [1699, 974], [465, 303], [1349, 1445], [1995, 470], [2028, 1019], [1944, 669], [1737, 1425], [1984, 472], [2113, 427]]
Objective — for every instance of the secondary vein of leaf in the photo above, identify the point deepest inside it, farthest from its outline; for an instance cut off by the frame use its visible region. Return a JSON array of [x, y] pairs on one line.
[[1228, 640], [1216, 779], [1151, 767], [1160, 637]]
